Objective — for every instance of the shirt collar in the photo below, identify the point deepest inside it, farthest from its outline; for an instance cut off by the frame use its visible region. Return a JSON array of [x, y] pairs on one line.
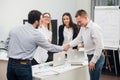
[[30, 25], [89, 24]]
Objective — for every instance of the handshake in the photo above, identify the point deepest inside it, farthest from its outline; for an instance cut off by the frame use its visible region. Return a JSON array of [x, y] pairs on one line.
[[66, 47]]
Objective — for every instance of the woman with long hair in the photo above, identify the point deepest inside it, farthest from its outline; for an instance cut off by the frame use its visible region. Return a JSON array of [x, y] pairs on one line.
[[68, 30], [41, 54]]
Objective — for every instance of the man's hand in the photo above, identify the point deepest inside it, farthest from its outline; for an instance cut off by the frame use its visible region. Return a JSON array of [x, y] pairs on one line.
[[66, 47], [49, 40], [91, 66]]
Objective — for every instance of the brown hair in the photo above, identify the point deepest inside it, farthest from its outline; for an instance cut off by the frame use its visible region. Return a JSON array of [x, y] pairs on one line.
[[81, 13], [71, 23]]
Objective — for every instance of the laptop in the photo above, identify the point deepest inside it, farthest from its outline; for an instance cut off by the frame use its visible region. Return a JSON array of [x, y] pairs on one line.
[[59, 58], [75, 57]]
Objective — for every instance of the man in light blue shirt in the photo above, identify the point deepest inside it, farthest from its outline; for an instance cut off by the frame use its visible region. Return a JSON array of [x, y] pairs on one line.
[[21, 45], [91, 36]]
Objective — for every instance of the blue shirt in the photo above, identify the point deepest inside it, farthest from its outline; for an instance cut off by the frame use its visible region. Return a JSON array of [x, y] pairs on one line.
[[23, 41]]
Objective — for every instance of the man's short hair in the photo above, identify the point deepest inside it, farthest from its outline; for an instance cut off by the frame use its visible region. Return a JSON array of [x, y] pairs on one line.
[[33, 16], [81, 13]]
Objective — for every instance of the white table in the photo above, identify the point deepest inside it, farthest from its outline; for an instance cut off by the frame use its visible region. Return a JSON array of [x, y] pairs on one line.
[[61, 72]]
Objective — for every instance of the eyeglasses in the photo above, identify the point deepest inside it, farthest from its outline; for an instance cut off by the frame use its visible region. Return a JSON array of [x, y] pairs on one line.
[[46, 17]]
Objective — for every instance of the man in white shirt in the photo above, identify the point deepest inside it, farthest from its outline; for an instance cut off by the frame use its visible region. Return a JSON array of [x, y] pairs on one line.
[[91, 36]]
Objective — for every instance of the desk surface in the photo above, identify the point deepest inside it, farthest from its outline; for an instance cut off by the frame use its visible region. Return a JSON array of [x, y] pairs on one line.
[[63, 72]]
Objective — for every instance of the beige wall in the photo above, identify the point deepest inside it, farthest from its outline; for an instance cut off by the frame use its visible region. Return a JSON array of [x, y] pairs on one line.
[[3, 69]]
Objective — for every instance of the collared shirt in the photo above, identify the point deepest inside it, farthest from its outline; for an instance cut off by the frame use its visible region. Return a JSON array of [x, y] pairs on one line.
[[23, 41], [68, 35], [47, 33], [92, 38]]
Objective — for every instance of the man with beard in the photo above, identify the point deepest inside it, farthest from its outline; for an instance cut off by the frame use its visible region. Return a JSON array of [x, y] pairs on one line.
[[21, 45]]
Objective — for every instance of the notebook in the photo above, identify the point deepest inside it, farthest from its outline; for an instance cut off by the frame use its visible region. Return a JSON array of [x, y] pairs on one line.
[[75, 57], [58, 59]]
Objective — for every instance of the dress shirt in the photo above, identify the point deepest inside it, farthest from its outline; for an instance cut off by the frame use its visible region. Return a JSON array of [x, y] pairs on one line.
[[92, 38], [68, 35], [23, 41], [41, 54]]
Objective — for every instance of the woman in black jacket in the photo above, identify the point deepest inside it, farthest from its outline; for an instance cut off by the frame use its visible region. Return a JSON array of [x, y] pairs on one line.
[[68, 30]]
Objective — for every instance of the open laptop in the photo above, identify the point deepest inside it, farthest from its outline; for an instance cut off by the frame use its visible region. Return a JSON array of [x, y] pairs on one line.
[[58, 58], [75, 57]]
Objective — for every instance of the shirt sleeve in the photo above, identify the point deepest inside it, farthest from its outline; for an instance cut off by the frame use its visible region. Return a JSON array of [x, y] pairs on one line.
[[7, 42], [42, 42], [98, 41], [77, 40]]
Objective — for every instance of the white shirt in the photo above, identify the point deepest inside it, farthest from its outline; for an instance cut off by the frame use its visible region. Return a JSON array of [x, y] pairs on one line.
[[92, 38], [41, 54], [68, 35]]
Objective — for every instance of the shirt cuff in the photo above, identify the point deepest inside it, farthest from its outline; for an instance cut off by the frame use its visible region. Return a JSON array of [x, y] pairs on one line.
[[70, 44], [93, 60]]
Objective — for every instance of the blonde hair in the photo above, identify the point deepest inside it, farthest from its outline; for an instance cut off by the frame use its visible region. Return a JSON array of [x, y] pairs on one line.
[[49, 25]]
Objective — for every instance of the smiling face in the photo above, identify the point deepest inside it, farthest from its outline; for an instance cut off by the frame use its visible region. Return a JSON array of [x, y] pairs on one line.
[[46, 18], [81, 20], [66, 20]]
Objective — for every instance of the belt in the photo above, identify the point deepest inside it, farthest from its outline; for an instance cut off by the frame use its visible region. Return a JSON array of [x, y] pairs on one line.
[[89, 55], [26, 61]]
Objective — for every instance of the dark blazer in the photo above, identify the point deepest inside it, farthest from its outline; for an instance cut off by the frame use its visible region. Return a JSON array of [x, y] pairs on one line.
[[61, 36]]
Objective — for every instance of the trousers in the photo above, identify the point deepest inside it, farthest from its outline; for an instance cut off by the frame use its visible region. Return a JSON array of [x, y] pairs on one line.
[[19, 69], [95, 74]]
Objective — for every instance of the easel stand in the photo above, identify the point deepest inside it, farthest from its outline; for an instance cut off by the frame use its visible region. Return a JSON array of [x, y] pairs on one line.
[[107, 62], [114, 59]]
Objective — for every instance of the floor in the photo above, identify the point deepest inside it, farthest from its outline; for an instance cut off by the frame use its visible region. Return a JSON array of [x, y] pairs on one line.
[[109, 77]]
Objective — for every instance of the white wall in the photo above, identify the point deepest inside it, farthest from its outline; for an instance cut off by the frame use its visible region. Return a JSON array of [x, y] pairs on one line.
[[12, 12], [84, 4]]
